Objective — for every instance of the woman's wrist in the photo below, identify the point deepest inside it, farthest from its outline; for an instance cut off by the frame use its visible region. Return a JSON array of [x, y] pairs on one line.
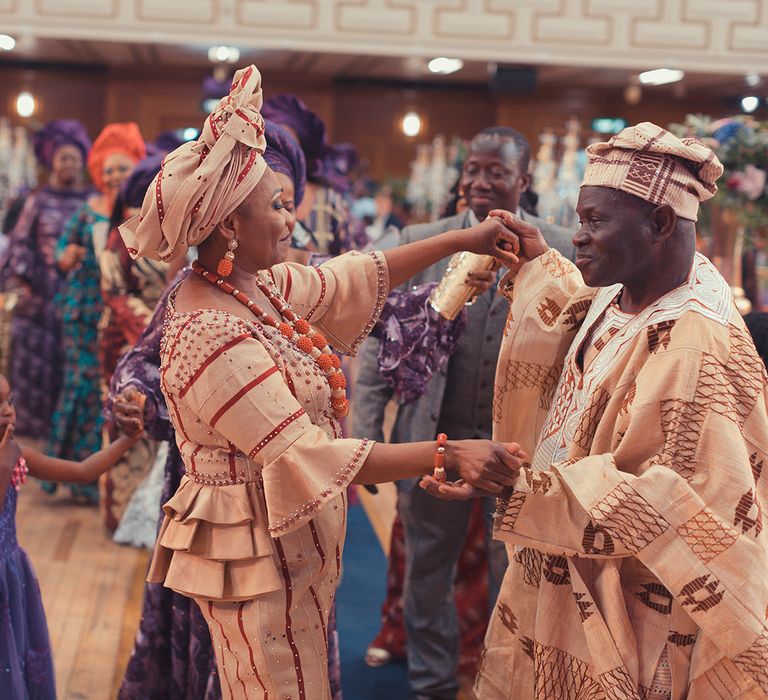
[[451, 456], [454, 241]]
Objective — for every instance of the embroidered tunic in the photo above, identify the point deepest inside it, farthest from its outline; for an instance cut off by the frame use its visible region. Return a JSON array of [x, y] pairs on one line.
[[638, 557], [255, 531]]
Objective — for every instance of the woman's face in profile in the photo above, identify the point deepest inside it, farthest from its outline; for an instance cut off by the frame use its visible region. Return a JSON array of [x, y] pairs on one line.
[[263, 224]]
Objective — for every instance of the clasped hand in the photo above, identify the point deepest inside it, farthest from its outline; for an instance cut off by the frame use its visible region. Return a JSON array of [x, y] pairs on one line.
[[128, 411], [506, 237], [485, 468]]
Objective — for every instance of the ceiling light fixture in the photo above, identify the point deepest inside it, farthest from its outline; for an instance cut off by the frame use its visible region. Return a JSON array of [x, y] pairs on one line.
[[7, 43], [411, 124], [661, 76], [445, 66], [25, 104], [753, 79], [750, 103], [223, 54]]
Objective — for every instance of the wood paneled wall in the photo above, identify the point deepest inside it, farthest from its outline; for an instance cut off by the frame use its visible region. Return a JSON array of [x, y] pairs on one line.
[[368, 115]]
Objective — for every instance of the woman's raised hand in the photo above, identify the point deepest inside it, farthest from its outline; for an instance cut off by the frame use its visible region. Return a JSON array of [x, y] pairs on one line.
[[491, 237], [531, 242]]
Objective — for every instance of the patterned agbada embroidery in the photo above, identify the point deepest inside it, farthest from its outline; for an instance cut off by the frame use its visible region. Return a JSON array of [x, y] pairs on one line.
[[627, 516], [753, 661], [706, 535], [701, 594], [526, 375], [656, 597]]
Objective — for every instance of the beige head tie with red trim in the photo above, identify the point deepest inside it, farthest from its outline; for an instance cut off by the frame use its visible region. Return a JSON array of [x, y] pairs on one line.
[[203, 181], [653, 164]]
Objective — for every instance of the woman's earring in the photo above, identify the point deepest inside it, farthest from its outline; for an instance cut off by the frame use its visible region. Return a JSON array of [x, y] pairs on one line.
[[225, 266]]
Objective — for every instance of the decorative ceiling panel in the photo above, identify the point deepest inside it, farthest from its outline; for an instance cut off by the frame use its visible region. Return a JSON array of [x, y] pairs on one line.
[[708, 35]]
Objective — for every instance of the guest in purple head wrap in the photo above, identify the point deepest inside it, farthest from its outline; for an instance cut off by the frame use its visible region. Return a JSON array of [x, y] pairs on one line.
[[327, 164], [33, 225], [58, 133], [284, 155], [135, 187], [165, 142], [326, 226]]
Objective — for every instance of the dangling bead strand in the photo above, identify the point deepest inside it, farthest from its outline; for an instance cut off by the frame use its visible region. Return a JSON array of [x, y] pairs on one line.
[[294, 329]]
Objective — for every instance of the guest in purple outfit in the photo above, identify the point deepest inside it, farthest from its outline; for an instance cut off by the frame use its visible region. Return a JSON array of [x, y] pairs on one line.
[[326, 224], [29, 265]]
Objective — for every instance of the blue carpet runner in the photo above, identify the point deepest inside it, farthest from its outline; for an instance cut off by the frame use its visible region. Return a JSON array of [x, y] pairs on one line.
[[359, 599]]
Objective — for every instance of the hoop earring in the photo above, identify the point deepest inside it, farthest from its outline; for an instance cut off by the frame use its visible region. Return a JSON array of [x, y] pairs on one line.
[[225, 266]]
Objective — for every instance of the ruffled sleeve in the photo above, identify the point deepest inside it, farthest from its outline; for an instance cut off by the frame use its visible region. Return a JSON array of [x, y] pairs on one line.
[[343, 297], [236, 389]]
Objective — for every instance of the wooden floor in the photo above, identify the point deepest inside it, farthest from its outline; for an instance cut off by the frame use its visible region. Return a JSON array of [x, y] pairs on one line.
[[91, 589]]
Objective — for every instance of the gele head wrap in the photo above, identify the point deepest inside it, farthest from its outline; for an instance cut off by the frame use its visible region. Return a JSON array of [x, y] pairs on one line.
[[203, 181], [57, 133]]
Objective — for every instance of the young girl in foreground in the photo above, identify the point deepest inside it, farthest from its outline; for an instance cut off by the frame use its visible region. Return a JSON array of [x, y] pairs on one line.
[[26, 667]]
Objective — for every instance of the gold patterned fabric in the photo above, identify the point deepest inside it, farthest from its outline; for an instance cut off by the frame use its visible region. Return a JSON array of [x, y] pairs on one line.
[[636, 535]]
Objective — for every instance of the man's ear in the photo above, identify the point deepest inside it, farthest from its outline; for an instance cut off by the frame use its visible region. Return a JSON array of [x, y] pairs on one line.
[[663, 222], [525, 182]]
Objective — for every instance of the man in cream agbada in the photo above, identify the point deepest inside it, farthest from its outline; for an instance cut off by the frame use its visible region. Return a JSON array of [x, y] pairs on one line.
[[638, 563]]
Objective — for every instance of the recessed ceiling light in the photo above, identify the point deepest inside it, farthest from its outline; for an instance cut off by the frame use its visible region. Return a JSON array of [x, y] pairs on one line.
[[750, 103], [224, 54], [752, 79], [7, 43], [445, 66], [661, 76]]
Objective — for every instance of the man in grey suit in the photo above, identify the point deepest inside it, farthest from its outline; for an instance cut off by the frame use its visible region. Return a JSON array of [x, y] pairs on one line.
[[457, 402]]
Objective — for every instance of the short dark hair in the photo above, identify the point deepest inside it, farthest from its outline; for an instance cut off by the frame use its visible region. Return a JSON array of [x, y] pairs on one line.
[[521, 143]]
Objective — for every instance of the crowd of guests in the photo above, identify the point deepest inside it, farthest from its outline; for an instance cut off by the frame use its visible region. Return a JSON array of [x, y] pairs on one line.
[[204, 433]]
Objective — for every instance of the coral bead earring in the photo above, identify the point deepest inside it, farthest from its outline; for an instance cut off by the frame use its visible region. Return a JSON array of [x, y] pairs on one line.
[[226, 264]]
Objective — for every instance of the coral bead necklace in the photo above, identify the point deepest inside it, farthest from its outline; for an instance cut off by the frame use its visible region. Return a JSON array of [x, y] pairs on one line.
[[294, 329]]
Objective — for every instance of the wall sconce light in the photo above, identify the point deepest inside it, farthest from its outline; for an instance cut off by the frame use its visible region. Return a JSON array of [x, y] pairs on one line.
[[25, 104], [411, 124]]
